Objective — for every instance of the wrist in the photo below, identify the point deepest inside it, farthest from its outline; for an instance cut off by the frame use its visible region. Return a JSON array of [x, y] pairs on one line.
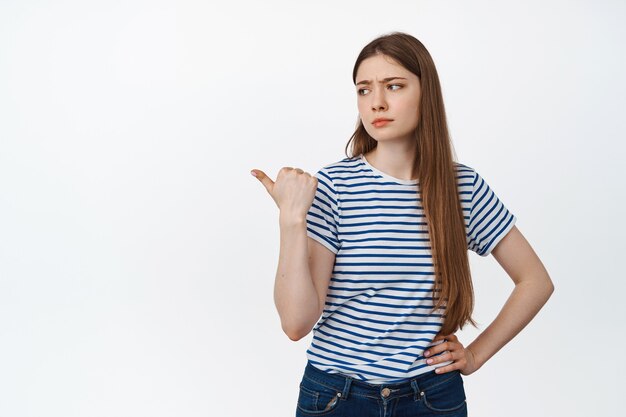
[[478, 362], [291, 220]]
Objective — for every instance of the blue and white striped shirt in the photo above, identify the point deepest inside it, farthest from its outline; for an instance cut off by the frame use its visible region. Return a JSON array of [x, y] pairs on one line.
[[376, 322]]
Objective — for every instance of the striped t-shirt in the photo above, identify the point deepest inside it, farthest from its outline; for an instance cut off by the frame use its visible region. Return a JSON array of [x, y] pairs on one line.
[[376, 323]]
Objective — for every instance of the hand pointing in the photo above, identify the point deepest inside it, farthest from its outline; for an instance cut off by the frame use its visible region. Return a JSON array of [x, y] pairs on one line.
[[293, 192]]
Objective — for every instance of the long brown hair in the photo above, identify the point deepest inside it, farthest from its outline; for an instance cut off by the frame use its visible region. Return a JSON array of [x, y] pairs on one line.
[[435, 165]]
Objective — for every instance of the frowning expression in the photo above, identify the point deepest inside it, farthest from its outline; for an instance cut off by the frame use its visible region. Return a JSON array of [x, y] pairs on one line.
[[387, 90]]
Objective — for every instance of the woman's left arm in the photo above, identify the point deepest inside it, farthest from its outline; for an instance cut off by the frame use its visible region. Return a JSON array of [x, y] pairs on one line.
[[533, 288]]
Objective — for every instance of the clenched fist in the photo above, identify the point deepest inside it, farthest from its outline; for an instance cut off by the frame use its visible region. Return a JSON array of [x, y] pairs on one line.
[[293, 192]]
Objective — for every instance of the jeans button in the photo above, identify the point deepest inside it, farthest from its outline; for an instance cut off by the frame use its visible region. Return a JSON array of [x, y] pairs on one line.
[[385, 392]]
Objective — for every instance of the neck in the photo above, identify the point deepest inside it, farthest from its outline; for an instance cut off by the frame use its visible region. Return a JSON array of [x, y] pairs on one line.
[[395, 159]]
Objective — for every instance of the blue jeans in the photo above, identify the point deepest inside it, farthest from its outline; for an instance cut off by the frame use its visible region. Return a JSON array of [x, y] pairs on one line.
[[428, 394]]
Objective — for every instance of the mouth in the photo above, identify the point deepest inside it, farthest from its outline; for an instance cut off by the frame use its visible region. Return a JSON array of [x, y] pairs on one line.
[[381, 122]]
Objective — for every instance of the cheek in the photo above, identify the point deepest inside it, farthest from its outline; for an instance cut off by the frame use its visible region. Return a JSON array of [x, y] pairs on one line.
[[409, 104], [410, 109], [361, 107]]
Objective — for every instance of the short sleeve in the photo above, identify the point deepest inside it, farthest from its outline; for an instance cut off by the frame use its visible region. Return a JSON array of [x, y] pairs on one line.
[[322, 218], [489, 220]]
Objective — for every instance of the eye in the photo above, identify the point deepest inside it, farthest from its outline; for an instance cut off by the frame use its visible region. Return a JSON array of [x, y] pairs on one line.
[[360, 91]]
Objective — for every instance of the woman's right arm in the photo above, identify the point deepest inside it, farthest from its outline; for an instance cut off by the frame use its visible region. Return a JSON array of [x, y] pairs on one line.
[[304, 270], [304, 265]]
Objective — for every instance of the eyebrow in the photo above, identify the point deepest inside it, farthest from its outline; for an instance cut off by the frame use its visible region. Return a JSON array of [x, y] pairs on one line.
[[367, 82]]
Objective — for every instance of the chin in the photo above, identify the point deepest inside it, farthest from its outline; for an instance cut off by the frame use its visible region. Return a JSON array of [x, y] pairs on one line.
[[383, 136]]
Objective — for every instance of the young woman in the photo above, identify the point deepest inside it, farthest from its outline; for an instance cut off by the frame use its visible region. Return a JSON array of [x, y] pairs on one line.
[[374, 253]]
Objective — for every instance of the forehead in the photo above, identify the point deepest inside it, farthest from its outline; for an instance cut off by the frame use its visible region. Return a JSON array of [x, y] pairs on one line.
[[380, 66]]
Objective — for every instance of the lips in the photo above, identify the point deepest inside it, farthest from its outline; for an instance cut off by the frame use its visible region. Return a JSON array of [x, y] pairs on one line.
[[381, 122]]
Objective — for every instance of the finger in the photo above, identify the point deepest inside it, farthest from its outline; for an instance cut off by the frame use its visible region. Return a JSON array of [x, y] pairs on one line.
[[265, 180], [444, 357], [441, 336], [447, 368], [442, 347], [435, 350]]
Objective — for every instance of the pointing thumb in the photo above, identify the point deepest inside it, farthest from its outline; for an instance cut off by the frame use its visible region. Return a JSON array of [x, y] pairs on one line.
[[265, 180]]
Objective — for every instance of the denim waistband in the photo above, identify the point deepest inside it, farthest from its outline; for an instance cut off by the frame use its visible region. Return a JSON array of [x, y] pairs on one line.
[[350, 386]]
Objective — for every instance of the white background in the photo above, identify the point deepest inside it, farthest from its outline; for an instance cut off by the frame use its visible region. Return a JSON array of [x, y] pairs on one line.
[[137, 253]]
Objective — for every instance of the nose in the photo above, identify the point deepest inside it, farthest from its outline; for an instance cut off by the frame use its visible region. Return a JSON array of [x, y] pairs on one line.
[[378, 99]]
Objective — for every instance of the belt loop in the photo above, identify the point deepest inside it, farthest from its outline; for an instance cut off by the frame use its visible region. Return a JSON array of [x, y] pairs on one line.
[[346, 388], [416, 389]]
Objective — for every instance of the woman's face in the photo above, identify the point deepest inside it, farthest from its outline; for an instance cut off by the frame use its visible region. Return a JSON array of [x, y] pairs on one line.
[[385, 89]]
